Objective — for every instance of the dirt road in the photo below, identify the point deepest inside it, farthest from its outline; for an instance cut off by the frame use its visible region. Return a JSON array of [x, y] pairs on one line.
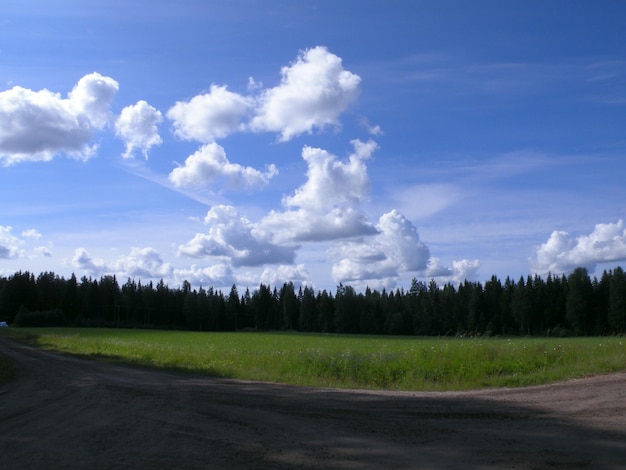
[[65, 412]]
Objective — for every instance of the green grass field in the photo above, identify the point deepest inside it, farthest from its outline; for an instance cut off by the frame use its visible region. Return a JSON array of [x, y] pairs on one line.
[[368, 362]]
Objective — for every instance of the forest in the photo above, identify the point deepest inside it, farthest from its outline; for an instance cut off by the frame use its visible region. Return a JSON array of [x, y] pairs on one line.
[[572, 305]]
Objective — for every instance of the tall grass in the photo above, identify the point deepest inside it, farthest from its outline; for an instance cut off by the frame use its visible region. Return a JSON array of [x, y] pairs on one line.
[[370, 362]]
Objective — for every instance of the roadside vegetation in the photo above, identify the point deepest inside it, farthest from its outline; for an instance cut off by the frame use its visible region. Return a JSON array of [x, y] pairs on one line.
[[344, 361]]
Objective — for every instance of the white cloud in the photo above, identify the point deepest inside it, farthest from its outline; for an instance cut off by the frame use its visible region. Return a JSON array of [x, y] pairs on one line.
[[37, 125], [349, 270], [460, 271], [42, 251], [327, 202], [235, 239], [90, 98], [83, 260], [437, 270], [253, 84], [374, 130], [313, 92], [297, 274], [31, 233], [12, 247], [210, 116], [9, 244], [324, 208], [216, 275], [137, 126], [332, 183], [304, 225], [396, 249], [465, 269], [551, 255], [378, 261], [401, 242], [141, 262], [209, 163], [561, 253]]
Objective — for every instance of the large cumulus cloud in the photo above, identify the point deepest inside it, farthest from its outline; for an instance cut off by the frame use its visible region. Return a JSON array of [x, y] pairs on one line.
[[326, 210], [214, 275], [143, 262], [313, 92], [326, 206], [562, 253], [137, 126], [276, 276], [37, 125], [147, 263], [396, 248], [211, 115], [210, 164], [235, 239]]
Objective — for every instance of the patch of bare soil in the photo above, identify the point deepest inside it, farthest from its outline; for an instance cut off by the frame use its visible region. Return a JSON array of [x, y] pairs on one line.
[[66, 412]]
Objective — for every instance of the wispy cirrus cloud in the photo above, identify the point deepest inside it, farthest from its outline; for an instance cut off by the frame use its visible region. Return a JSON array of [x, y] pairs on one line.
[[446, 76]]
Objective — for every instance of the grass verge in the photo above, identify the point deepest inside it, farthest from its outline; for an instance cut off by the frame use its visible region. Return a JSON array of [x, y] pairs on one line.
[[368, 362]]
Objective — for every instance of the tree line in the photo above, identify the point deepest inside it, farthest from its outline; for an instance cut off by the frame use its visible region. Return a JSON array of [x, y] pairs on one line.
[[557, 305]]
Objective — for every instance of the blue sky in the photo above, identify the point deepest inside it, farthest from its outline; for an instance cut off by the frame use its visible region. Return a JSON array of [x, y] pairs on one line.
[[362, 142]]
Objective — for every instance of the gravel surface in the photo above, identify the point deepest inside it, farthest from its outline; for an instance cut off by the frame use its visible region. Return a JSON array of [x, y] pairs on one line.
[[67, 412]]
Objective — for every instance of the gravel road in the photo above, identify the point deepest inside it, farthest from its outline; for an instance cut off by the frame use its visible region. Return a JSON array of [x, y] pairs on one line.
[[67, 412]]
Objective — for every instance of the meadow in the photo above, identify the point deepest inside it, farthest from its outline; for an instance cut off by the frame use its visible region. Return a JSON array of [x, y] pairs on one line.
[[344, 361]]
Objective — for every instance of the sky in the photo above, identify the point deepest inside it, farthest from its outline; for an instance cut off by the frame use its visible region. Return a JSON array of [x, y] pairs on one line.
[[322, 142]]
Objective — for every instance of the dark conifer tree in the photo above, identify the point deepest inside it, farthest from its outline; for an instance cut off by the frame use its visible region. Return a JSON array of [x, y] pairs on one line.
[[233, 309], [579, 301], [307, 319], [617, 301]]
